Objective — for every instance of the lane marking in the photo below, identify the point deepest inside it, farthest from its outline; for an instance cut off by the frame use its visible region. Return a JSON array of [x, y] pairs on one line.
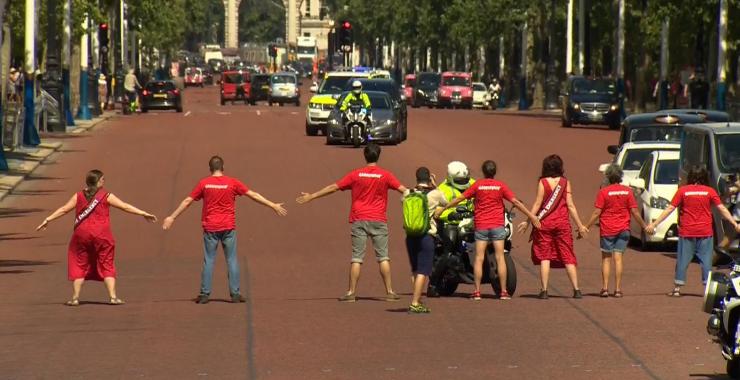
[[187, 114], [293, 113], [224, 113], [259, 113]]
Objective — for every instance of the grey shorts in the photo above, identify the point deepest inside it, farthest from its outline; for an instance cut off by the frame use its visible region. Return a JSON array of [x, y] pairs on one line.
[[378, 232], [491, 234]]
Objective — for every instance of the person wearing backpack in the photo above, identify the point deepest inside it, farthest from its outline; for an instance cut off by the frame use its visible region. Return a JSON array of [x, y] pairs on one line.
[[419, 205]]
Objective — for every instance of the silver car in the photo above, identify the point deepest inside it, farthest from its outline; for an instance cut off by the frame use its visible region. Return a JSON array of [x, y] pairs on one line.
[[384, 128], [284, 89]]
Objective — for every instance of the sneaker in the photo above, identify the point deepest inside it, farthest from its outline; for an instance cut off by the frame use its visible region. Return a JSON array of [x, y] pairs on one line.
[[504, 295], [419, 309], [202, 299], [351, 297], [392, 297], [475, 296], [543, 295], [237, 298], [577, 294]]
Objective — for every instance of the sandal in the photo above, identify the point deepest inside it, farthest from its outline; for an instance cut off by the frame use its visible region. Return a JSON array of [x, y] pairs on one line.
[[605, 293], [73, 302], [475, 296], [116, 301], [618, 294], [676, 292]]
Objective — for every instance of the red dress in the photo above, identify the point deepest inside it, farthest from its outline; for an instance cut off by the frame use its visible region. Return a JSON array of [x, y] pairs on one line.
[[554, 241], [92, 248]]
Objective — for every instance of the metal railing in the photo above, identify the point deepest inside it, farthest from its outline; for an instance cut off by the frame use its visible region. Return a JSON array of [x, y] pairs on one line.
[[46, 109], [13, 118]]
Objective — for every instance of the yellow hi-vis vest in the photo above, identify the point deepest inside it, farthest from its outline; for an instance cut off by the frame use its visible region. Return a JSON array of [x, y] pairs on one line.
[[450, 193]]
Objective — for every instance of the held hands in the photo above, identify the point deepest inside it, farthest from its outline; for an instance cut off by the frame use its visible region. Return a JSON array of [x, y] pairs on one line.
[[304, 198], [582, 232], [650, 229]]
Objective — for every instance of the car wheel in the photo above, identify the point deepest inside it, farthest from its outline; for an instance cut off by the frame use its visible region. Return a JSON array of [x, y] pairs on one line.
[[179, 108], [281, 104], [252, 102], [566, 122], [269, 102], [298, 103], [201, 85], [311, 130], [614, 126], [144, 110]]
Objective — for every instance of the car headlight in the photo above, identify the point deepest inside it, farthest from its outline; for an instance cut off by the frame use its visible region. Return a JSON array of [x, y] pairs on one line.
[[576, 106], [614, 107], [314, 106], [332, 121], [659, 202], [390, 122]]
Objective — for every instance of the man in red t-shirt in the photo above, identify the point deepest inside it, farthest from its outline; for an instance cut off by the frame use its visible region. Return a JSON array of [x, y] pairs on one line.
[[695, 234], [369, 186], [614, 205], [489, 195], [218, 193]]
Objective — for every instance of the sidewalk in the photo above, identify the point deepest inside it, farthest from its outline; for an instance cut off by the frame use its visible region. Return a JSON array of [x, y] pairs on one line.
[[532, 112], [22, 163]]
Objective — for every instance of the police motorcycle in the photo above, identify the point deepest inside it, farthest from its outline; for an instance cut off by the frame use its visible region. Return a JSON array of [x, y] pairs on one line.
[[455, 253], [357, 124], [722, 303]]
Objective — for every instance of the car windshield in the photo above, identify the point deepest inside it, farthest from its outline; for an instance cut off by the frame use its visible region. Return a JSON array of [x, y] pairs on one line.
[[233, 78], [479, 87], [261, 79], [282, 79], [167, 86], [596, 86], [666, 172], [655, 133], [634, 158], [373, 85], [333, 85], [428, 80], [306, 50], [728, 153], [456, 81]]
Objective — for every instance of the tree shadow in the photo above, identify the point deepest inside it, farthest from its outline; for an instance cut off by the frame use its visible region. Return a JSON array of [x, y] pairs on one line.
[[9, 212], [33, 177], [23, 263], [14, 236], [36, 192], [713, 376]]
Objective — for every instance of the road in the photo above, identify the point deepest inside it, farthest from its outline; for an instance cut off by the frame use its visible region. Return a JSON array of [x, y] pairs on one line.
[[293, 268]]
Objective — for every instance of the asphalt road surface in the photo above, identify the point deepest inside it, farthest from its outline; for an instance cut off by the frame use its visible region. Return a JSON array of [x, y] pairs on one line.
[[294, 268]]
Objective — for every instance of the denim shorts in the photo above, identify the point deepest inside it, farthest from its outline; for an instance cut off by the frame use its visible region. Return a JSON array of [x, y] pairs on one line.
[[616, 243], [491, 234]]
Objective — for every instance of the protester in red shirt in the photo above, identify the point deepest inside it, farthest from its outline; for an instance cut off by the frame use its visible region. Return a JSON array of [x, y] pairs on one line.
[[614, 204], [369, 186], [489, 195], [695, 234], [218, 193]]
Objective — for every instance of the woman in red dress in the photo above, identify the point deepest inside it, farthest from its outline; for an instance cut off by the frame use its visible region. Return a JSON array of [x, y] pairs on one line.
[[552, 245], [92, 248]]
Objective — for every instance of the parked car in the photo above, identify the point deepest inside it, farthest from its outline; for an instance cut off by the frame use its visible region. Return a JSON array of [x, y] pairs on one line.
[[481, 97], [284, 89], [390, 87], [632, 155], [590, 101], [409, 82], [455, 90], [656, 126], [425, 92], [654, 187], [386, 126], [193, 77], [161, 95], [325, 98], [235, 85], [260, 88]]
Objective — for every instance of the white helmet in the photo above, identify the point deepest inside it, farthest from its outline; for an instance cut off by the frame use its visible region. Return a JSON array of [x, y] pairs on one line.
[[356, 87], [458, 175]]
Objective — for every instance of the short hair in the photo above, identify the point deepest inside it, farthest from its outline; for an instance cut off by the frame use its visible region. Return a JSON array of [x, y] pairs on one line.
[[489, 169], [372, 153], [216, 163], [698, 175], [552, 166], [614, 174], [423, 175]]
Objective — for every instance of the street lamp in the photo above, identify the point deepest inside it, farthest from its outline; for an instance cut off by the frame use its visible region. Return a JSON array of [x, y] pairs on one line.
[[551, 83], [53, 78]]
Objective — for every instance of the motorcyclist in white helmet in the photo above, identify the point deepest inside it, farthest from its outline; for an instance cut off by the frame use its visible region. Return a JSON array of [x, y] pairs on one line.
[[457, 181], [356, 97]]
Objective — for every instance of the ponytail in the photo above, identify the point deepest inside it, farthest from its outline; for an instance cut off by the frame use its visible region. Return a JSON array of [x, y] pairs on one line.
[[91, 182]]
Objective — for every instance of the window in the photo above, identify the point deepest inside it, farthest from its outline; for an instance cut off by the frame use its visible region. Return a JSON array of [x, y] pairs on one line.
[[456, 81], [308, 8], [666, 172], [281, 79], [728, 153], [694, 150], [645, 171], [634, 158]]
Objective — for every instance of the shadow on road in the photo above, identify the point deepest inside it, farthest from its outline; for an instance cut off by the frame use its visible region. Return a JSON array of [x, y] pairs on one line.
[[708, 376], [20, 263], [17, 212], [14, 236], [33, 177], [36, 192]]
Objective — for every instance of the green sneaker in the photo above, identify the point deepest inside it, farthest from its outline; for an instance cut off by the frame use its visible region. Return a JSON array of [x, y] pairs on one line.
[[419, 309]]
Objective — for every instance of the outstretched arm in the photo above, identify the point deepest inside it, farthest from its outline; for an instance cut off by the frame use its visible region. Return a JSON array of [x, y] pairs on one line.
[[121, 205], [67, 207], [535, 206], [728, 217], [168, 221], [306, 197], [530, 215], [450, 205], [574, 212], [638, 218], [277, 207]]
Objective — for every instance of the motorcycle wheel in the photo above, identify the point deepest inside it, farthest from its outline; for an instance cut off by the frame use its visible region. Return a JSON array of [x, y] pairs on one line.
[[510, 276], [733, 368], [445, 287], [355, 138]]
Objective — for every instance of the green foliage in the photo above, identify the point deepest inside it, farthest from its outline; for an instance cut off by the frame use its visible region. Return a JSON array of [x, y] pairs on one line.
[[261, 21]]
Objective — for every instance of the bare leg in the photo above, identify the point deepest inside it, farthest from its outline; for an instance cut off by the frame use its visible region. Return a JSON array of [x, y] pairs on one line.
[[354, 276], [619, 267], [572, 275], [77, 287], [605, 259], [544, 273], [385, 273], [498, 247], [110, 284], [419, 283], [480, 255]]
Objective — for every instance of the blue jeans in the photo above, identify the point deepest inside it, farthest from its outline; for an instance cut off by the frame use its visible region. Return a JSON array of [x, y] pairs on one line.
[[702, 248], [210, 246]]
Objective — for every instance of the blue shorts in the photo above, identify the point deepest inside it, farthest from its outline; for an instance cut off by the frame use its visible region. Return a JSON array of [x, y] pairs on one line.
[[615, 244], [491, 234]]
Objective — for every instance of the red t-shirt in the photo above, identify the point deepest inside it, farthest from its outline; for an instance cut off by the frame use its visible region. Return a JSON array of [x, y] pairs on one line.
[[369, 187], [489, 202], [694, 210], [615, 202], [218, 194]]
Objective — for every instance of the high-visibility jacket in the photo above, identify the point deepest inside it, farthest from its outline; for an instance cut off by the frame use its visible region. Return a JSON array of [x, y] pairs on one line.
[[451, 192], [354, 99]]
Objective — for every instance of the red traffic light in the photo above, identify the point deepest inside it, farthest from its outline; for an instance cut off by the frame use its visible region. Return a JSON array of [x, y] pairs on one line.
[[346, 25], [104, 26]]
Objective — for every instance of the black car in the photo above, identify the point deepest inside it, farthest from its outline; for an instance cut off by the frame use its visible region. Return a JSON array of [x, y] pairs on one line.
[[656, 126], [425, 92], [389, 86], [590, 101], [385, 127], [260, 87], [161, 95], [710, 116]]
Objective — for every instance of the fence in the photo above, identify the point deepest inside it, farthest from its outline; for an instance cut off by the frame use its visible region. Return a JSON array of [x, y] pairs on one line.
[[13, 118]]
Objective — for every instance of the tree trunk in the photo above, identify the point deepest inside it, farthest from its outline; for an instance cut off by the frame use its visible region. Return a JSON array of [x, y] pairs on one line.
[[74, 77], [641, 87], [4, 51]]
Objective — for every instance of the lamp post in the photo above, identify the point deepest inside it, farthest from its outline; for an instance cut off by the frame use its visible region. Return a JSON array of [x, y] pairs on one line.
[[84, 111], [523, 103], [53, 78], [30, 134], [551, 83], [721, 51], [66, 59]]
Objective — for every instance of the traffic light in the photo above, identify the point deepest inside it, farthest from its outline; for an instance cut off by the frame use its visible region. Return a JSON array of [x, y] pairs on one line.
[[103, 35], [345, 33]]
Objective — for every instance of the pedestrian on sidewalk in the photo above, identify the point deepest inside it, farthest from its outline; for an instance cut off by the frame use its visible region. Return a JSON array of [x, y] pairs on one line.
[[695, 235], [614, 205], [218, 219], [92, 248], [552, 244], [490, 223], [369, 186], [102, 91]]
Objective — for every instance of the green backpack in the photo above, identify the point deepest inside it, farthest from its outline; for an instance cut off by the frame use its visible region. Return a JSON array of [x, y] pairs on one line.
[[416, 213]]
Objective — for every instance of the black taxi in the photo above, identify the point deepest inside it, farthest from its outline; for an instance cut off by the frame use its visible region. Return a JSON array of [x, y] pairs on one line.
[[654, 126]]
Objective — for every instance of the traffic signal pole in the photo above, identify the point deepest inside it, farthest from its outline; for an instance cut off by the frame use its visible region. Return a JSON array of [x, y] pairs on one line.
[[30, 134], [66, 59]]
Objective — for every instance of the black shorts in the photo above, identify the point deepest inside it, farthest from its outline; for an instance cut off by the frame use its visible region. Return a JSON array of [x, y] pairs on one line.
[[421, 254]]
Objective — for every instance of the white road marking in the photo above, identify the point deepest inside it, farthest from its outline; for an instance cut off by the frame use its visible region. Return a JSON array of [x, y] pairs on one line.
[[224, 113], [293, 113], [187, 114], [259, 113]]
